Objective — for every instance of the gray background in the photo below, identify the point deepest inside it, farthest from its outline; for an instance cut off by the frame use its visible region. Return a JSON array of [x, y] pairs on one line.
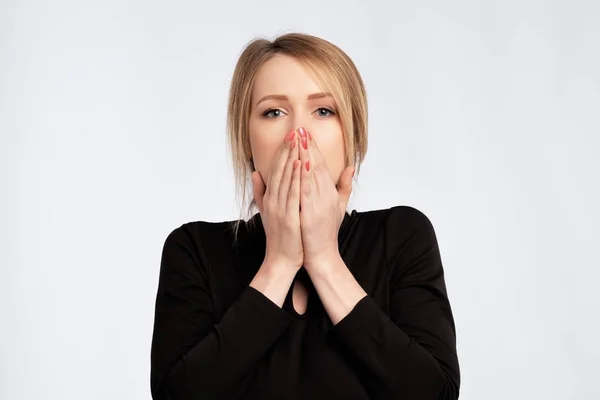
[[483, 115]]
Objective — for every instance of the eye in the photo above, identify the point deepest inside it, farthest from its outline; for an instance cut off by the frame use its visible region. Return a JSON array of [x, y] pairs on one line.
[[325, 112], [272, 113]]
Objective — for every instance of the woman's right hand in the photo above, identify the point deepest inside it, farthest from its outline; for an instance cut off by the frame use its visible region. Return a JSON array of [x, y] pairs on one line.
[[279, 204]]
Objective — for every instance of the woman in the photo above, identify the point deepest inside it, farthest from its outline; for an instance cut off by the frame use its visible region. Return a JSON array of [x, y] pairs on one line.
[[304, 300]]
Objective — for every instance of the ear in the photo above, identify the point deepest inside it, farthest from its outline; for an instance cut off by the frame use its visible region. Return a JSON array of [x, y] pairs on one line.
[[344, 187], [258, 188]]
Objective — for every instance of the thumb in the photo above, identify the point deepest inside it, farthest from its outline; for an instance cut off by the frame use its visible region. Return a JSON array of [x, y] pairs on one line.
[[345, 187], [258, 188]]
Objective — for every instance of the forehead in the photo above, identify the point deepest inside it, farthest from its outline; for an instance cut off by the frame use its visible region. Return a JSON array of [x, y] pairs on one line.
[[284, 75]]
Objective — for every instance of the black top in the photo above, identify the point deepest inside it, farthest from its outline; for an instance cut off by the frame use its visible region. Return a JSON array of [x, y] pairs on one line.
[[217, 337]]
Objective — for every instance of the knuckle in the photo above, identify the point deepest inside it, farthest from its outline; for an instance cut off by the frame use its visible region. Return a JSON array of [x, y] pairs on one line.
[[270, 204], [281, 215], [308, 223], [284, 146], [319, 166], [288, 224]]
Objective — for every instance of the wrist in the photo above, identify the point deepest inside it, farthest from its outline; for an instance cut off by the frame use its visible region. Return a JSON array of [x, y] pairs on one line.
[[324, 262], [279, 269], [274, 280], [275, 274]]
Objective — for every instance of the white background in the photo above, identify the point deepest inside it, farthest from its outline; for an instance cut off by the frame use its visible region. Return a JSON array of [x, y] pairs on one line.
[[483, 115]]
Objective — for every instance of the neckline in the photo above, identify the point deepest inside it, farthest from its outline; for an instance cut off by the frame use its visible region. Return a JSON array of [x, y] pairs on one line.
[[257, 245], [288, 304]]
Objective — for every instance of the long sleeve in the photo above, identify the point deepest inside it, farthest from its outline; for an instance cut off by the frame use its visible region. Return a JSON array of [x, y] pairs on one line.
[[410, 354], [193, 355]]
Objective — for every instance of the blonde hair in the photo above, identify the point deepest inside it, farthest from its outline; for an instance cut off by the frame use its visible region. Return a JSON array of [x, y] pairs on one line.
[[335, 73]]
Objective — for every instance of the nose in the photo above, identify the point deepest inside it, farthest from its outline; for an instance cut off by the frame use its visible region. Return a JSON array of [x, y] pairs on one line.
[[301, 121]]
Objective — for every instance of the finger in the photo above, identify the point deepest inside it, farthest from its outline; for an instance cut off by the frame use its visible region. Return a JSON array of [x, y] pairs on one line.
[[286, 177], [307, 186], [278, 165], [321, 174], [293, 203], [344, 187], [258, 188]]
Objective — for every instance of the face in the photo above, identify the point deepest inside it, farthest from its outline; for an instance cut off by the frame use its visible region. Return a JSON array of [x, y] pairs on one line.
[[297, 102]]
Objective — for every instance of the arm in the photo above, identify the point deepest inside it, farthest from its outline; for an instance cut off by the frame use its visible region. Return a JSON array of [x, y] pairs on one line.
[[195, 356], [412, 353]]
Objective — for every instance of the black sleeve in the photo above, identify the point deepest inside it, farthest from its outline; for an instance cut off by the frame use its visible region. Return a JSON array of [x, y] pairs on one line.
[[412, 353], [194, 356]]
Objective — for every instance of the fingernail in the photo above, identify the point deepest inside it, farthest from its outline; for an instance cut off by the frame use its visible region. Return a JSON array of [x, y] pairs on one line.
[[294, 144], [307, 165], [304, 143], [302, 132], [290, 135], [296, 162]]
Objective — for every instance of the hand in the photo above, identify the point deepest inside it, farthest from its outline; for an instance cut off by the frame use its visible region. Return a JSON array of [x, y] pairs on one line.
[[279, 202], [322, 204]]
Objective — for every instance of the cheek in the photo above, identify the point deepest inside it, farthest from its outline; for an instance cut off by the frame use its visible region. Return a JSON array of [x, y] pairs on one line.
[[264, 149], [331, 142], [334, 158], [333, 152]]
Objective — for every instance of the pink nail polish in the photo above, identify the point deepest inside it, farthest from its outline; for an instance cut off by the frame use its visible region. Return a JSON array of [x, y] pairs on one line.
[[294, 144], [307, 165], [290, 135], [302, 132], [304, 143]]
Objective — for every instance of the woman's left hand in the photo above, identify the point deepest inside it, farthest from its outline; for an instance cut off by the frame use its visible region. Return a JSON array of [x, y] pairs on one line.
[[322, 204]]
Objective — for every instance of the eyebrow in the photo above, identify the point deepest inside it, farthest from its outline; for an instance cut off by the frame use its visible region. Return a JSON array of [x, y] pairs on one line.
[[313, 96]]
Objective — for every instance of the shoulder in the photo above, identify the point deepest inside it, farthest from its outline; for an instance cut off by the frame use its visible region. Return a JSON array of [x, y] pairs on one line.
[[403, 230], [203, 234], [410, 243], [398, 220], [405, 236], [396, 227], [195, 246], [201, 229], [408, 219]]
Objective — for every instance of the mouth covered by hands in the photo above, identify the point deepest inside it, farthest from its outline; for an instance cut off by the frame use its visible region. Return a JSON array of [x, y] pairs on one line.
[[301, 207]]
